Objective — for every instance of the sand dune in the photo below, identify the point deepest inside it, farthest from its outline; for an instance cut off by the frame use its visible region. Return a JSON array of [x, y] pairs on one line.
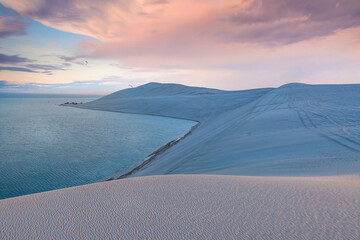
[[293, 130], [190, 207]]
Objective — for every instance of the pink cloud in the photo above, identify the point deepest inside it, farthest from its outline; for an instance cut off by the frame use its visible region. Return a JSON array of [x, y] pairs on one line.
[[78, 16], [246, 39], [10, 26], [52, 44], [178, 30], [270, 21]]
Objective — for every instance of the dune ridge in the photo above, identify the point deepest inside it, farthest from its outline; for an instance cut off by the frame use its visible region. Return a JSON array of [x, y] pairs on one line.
[[293, 130]]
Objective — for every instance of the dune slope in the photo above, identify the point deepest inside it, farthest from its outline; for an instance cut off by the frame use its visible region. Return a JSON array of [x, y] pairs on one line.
[[293, 130], [189, 207]]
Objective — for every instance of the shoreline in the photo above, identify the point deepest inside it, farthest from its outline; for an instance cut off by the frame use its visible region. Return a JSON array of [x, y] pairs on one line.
[[255, 130], [153, 155]]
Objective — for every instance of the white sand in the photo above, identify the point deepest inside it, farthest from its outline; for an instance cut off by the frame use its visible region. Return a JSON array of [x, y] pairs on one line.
[[190, 207], [293, 130]]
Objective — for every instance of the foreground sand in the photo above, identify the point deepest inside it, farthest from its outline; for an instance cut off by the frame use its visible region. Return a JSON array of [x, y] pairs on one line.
[[190, 207]]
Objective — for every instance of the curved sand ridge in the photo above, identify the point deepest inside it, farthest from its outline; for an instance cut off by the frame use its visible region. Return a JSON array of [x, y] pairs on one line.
[[293, 130], [190, 207]]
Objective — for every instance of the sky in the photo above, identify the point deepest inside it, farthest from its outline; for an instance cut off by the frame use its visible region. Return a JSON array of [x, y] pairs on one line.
[[98, 47]]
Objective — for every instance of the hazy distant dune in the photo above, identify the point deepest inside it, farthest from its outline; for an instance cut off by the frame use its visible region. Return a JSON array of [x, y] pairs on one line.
[[175, 100]]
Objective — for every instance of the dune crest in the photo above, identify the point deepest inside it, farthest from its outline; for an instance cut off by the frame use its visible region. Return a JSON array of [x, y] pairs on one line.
[[294, 130]]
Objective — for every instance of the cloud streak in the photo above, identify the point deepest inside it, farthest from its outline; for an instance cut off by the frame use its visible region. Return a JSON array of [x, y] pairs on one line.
[[44, 67], [22, 64], [10, 26], [13, 59], [6, 84], [106, 84], [17, 69], [78, 16], [289, 21]]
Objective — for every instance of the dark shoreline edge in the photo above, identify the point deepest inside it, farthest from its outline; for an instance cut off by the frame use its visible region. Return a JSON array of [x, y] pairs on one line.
[[152, 156]]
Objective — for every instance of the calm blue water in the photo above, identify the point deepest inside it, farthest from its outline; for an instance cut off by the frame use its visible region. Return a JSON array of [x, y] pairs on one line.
[[44, 146]]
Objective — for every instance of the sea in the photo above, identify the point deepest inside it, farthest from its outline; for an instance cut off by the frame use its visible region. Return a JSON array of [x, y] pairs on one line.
[[45, 146]]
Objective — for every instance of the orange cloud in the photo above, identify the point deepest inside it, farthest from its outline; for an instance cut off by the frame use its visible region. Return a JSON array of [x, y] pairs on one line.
[[52, 44]]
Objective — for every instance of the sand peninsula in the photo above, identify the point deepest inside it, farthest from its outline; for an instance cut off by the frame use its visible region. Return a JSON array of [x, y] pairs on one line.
[[279, 163]]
